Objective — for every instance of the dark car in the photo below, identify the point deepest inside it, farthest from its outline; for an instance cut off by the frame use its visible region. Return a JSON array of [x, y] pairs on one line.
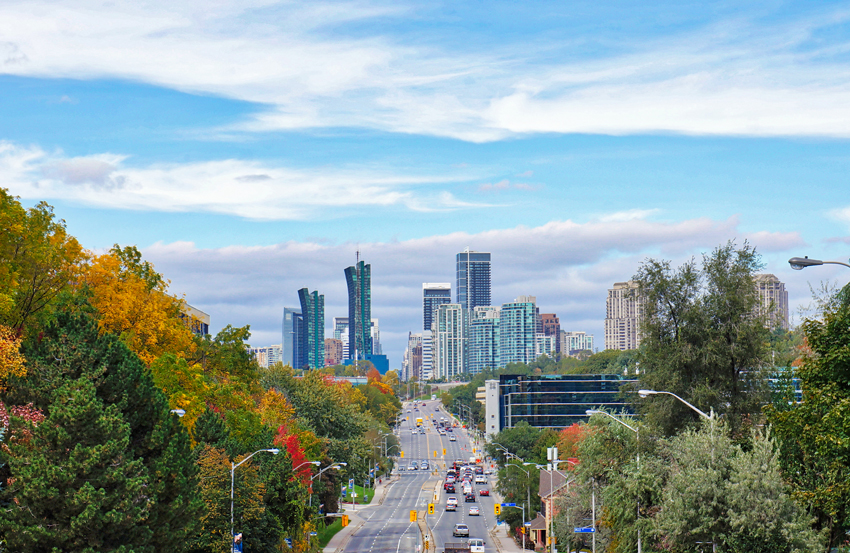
[[469, 498], [450, 488], [484, 491]]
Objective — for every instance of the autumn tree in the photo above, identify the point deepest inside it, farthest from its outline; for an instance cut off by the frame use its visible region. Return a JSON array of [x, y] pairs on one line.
[[38, 260], [12, 363]]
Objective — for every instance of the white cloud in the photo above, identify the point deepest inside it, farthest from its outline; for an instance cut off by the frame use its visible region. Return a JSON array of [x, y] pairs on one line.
[[728, 78], [569, 267], [243, 188], [841, 214]]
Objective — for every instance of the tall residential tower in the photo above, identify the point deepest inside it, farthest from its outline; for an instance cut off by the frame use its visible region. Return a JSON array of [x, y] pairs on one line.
[[434, 294], [313, 340], [473, 279], [359, 280]]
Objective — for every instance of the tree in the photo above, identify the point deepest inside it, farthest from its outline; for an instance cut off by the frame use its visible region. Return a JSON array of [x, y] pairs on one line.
[[814, 451], [37, 261], [701, 338], [12, 363], [70, 350]]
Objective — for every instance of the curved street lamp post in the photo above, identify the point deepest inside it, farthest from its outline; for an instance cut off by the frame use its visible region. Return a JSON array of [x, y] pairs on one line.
[[273, 451], [334, 466]]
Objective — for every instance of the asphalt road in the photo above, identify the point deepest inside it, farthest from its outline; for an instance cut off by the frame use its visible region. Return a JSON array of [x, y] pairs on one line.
[[387, 527]]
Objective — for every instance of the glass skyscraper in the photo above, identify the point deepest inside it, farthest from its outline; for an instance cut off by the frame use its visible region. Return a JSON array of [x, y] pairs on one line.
[[484, 339], [434, 294], [473, 279], [313, 338], [293, 328], [518, 331], [359, 280]]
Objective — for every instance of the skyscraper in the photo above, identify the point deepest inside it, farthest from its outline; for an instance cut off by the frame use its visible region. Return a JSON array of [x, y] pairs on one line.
[[518, 331], [451, 328], [552, 327], [433, 295], [473, 279], [623, 311], [359, 280], [313, 340], [484, 339], [773, 301], [291, 336]]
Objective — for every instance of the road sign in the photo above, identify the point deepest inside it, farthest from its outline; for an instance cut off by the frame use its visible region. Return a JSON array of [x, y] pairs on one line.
[[288, 542], [508, 504], [314, 533], [584, 530]]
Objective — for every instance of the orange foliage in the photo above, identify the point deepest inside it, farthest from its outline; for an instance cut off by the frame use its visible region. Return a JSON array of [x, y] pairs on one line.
[[373, 375], [145, 317], [569, 440]]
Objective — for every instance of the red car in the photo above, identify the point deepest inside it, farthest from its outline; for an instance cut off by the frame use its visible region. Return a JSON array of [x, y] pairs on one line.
[[484, 491]]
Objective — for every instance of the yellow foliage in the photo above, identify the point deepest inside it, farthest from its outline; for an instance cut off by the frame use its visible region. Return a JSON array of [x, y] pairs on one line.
[[183, 384], [12, 363], [275, 410], [356, 397], [384, 388], [146, 318]]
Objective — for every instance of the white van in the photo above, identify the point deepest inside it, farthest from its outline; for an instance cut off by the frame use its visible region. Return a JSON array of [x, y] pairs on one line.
[[480, 479], [476, 545]]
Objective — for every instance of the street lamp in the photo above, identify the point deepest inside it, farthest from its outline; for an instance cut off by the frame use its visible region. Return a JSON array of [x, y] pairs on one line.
[[800, 263], [644, 393], [273, 451], [334, 466], [591, 412], [178, 412]]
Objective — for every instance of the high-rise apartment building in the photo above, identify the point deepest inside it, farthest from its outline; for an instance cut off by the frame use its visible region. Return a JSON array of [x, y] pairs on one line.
[[544, 345], [341, 333], [333, 352], [293, 329], [267, 356], [473, 279], [518, 331], [574, 342], [433, 295], [412, 363], [484, 339], [375, 332], [772, 301], [427, 355], [359, 280], [551, 326], [313, 340], [451, 328], [623, 311]]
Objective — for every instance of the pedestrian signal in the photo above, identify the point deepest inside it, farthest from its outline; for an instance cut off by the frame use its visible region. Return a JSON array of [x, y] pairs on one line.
[[412, 516], [430, 508], [344, 521], [497, 509]]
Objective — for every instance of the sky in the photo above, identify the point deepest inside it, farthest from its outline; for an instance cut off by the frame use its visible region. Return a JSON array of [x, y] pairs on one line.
[[251, 148]]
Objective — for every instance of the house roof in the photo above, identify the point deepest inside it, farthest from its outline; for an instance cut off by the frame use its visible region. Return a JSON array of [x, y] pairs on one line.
[[538, 523], [551, 481]]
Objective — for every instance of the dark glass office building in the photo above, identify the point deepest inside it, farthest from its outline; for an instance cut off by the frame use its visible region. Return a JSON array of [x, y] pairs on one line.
[[555, 401], [313, 337], [433, 296], [359, 280], [473, 279]]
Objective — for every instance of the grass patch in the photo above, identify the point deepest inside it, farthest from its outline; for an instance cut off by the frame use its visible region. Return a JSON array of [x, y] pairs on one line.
[[364, 495], [325, 534]]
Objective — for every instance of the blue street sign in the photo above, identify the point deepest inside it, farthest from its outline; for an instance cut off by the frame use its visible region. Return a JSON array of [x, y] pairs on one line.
[[314, 533], [288, 542], [343, 493], [584, 530], [508, 504]]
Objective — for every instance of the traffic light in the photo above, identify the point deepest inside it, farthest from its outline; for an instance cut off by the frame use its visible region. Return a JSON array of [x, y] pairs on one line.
[[444, 452], [497, 509], [344, 521], [430, 508], [412, 516], [402, 454]]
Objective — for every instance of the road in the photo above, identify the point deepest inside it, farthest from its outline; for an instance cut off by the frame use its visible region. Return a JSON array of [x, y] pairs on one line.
[[387, 527]]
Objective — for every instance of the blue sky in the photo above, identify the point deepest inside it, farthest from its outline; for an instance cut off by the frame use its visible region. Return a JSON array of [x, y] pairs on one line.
[[250, 148]]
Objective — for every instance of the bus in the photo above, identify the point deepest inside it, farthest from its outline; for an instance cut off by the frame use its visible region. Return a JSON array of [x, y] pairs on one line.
[[419, 421]]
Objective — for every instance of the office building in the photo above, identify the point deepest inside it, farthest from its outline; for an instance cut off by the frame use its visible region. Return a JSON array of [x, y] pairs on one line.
[[267, 356], [451, 326], [484, 339], [359, 280], [197, 321], [772, 301], [574, 342], [552, 400], [341, 333], [375, 332], [433, 295], [473, 279], [518, 331], [622, 319], [292, 338], [333, 352], [313, 339], [551, 326]]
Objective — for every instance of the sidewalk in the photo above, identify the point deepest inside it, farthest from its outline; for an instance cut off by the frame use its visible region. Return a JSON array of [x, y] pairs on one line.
[[355, 521], [502, 541]]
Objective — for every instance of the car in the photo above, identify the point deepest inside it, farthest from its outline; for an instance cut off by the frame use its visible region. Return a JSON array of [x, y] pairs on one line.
[[410, 410], [414, 431], [488, 470], [474, 511], [414, 465], [450, 488], [480, 479], [451, 504], [461, 530], [425, 465], [449, 429], [469, 498], [484, 491], [476, 545], [452, 438]]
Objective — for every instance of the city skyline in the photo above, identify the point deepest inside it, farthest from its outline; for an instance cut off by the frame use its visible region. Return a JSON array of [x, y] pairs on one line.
[[570, 142]]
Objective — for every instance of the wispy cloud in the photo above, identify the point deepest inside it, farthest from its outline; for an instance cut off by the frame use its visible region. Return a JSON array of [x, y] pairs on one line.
[[245, 189], [736, 77]]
